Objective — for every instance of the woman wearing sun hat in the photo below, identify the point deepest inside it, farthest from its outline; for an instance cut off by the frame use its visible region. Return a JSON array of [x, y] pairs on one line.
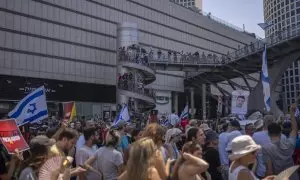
[[244, 151]]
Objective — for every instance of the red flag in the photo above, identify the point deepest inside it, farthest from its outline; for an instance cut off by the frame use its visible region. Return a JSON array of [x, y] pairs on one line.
[[11, 137]]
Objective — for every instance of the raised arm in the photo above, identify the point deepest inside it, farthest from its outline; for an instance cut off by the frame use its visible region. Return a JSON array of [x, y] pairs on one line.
[[293, 121], [196, 165]]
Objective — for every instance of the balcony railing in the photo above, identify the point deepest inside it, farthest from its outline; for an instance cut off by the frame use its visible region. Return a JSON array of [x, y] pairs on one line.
[[133, 54], [275, 38], [136, 88]]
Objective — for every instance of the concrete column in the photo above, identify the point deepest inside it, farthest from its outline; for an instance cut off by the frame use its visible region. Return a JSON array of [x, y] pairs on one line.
[[204, 101], [192, 100], [127, 36], [175, 101]]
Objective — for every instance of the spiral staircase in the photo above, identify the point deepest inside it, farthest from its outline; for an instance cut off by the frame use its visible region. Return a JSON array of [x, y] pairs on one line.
[[133, 72]]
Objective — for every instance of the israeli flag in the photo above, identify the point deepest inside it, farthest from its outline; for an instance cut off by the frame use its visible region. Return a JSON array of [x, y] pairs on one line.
[[265, 25], [32, 108], [166, 122], [185, 113], [124, 115], [265, 80]]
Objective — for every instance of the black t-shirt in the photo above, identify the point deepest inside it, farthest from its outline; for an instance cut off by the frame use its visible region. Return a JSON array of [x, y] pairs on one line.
[[211, 156]]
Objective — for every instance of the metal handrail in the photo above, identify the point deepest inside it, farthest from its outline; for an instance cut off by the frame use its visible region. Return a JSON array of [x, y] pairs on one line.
[[218, 20], [140, 56], [136, 88], [271, 40]]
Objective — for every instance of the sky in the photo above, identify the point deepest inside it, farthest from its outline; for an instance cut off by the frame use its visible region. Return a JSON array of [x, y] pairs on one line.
[[238, 12]]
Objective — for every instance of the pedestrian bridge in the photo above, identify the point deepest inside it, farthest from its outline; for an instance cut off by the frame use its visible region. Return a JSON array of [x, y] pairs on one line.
[[283, 48]]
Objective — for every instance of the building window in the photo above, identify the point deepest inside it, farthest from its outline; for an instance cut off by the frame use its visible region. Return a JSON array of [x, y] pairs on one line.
[[292, 13], [292, 6]]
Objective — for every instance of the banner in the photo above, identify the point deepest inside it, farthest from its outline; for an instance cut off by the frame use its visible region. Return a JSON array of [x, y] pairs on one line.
[[11, 136], [69, 111], [239, 102]]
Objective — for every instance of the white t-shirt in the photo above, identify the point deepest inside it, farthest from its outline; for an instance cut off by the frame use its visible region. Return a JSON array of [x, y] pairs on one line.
[[108, 161], [222, 148], [262, 138], [81, 156]]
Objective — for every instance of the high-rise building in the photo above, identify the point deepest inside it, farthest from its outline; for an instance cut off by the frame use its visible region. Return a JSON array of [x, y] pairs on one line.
[[190, 3], [284, 15]]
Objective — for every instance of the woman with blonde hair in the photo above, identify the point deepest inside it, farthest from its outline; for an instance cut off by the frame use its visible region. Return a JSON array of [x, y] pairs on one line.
[[141, 161], [156, 132], [190, 165]]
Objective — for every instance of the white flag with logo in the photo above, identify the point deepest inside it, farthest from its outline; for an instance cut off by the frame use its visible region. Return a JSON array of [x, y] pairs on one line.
[[31, 108]]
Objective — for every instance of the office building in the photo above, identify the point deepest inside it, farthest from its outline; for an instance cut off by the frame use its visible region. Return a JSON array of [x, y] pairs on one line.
[[190, 3], [285, 15], [69, 46]]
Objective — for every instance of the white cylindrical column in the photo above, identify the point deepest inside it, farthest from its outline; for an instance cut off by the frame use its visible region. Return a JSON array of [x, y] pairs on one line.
[[127, 36], [204, 101]]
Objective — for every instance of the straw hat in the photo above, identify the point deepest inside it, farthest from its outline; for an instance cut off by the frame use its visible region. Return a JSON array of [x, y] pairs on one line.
[[241, 146]]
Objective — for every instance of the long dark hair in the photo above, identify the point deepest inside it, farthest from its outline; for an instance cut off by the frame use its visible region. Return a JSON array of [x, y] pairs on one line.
[[38, 156]]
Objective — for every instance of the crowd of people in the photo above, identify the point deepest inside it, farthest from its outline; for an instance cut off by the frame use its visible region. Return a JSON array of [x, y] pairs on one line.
[[172, 151], [127, 81]]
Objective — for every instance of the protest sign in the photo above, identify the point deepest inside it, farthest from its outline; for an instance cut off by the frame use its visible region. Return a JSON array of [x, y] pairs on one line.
[[11, 136]]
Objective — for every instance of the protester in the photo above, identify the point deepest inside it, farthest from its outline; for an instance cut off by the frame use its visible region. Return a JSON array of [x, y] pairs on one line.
[[39, 146], [211, 155], [8, 164], [262, 138], [156, 132], [249, 129], [136, 134], [66, 141], [196, 135], [108, 160], [244, 151], [204, 127], [278, 156], [173, 118], [234, 131], [190, 164], [87, 151], [141, 164], [171, 143], [222, 151], [81, 140]]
